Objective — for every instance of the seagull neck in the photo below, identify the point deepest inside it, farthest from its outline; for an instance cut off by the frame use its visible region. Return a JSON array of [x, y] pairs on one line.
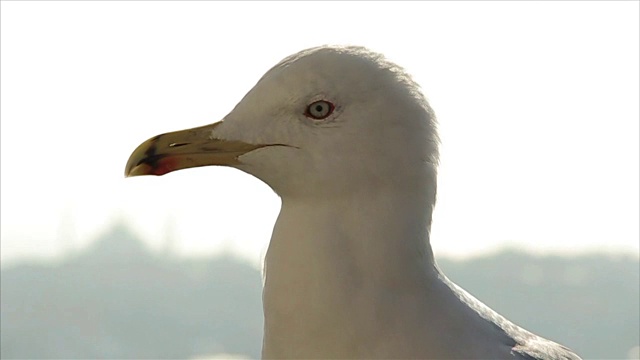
[[336, 267], [382, 239]]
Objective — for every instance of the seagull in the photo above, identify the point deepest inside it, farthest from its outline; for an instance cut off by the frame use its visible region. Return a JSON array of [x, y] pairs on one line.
[[348, 141]]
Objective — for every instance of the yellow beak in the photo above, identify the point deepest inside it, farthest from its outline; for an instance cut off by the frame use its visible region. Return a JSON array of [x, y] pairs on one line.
[[184, 149]]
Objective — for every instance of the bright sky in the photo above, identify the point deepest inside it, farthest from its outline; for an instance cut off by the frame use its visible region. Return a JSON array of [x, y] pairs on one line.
[[537, 102]]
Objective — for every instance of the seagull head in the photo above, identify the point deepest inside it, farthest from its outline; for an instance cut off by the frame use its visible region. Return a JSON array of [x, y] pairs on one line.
[[327, 121]]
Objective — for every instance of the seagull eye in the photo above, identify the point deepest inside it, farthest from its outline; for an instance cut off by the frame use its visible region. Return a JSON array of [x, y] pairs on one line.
[[319, 110]]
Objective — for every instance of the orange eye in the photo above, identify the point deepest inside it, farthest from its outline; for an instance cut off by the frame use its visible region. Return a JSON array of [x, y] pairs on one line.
[[319, 110]]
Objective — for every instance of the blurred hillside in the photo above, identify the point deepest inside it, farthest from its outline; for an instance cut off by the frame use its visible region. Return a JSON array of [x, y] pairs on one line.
[[118, 299]]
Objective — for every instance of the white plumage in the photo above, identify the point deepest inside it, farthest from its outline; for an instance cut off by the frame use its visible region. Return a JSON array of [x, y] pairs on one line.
[[349, 143]]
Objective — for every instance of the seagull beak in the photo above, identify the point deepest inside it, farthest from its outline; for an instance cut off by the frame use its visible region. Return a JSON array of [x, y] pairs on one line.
[[184, 149]]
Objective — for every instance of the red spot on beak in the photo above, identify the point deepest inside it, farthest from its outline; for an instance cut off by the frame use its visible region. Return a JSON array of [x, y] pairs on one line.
[[165, 165]]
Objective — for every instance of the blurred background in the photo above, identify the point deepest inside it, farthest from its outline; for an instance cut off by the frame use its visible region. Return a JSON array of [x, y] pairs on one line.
[[538, 192]]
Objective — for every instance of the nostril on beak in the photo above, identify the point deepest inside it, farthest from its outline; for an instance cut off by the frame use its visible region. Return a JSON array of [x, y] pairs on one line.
[[178, 144]]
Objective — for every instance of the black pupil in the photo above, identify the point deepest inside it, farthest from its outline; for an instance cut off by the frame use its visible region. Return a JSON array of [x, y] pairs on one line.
[[319, 108]]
